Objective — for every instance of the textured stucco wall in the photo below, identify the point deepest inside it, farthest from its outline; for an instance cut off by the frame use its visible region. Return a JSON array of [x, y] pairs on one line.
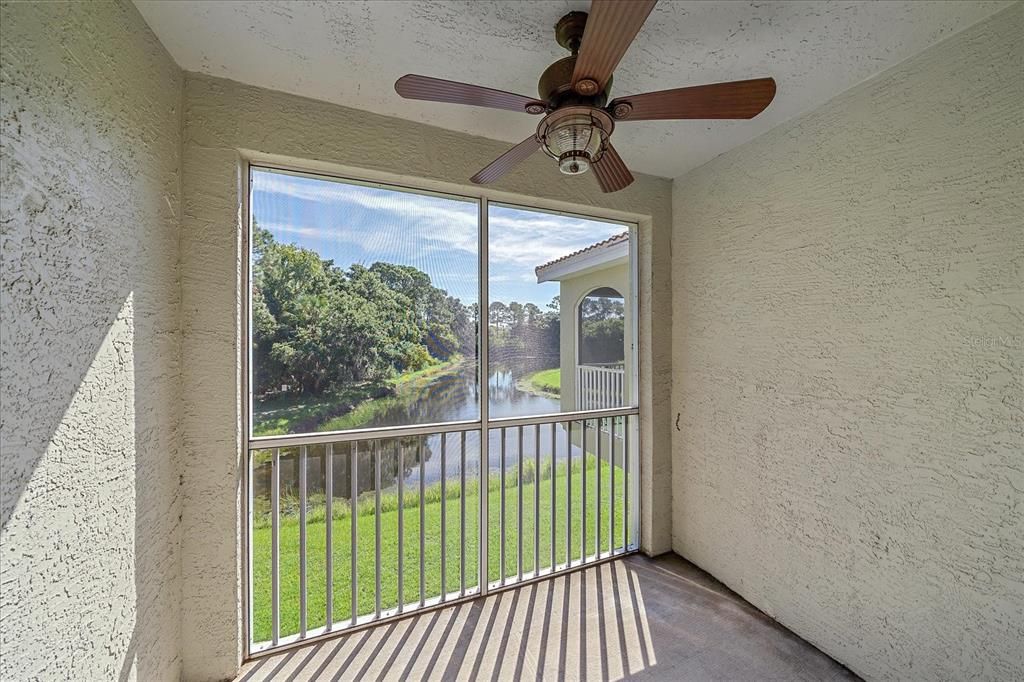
[[848, 366], [89, 345], [226, 122]]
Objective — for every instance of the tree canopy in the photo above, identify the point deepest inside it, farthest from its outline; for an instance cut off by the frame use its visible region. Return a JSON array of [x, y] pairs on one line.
[[318, 327]]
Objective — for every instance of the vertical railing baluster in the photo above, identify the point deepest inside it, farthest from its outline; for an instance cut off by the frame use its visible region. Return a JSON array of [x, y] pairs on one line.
[[483, 530], [597, 525], [626, 522], [303, 458], [501, 549], [329, 536], [353, 501], [376, 519], [462, 515], [519, 505], [401, 526], [578, 384], [423, 534], [554, 521], [444, 517], [568, 493], [583, 493], [611, 501], [536, 501], [275, 546]]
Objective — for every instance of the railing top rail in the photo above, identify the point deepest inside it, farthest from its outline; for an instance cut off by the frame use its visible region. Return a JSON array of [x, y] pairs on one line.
[[563, 417], [290, 440], [295, 440]]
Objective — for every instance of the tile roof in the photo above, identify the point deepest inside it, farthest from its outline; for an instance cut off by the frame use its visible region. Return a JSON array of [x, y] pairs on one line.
[[606, 242]]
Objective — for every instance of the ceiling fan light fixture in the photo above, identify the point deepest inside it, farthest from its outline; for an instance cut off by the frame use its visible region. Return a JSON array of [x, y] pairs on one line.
[[576, 137], [574, 163]]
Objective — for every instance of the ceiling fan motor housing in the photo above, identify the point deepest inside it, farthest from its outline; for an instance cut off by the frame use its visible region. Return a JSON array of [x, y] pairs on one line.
[[555, 85]]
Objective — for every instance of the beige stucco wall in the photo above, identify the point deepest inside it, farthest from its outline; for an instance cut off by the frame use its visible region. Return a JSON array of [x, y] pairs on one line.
[[848, 366], [571, 291], [225, 123], [89, 345]]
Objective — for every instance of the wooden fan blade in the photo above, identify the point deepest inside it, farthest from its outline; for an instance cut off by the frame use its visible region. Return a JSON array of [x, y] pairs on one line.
[[737, 99], [413, 86], [504, 163], [612, 174], [611, 27]]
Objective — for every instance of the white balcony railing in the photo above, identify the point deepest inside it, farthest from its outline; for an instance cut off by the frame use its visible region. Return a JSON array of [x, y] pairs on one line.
[[599, 388], [353, 528]]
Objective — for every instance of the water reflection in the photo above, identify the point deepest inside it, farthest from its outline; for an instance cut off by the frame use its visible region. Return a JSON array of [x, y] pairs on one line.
[[454, 396], [450, 397]]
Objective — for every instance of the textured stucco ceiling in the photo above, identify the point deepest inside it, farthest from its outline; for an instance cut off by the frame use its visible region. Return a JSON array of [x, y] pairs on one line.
[[352, 52]]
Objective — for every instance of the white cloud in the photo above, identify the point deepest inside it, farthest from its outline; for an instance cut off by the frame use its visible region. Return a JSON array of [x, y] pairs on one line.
[[450, 223], [517, 237], [286, 228]]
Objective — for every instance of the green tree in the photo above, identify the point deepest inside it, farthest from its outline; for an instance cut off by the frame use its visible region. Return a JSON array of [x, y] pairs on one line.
[[317, 327]]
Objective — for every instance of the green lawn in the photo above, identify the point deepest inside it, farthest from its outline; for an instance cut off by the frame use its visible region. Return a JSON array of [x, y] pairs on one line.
[[365, 528], [546, 381]]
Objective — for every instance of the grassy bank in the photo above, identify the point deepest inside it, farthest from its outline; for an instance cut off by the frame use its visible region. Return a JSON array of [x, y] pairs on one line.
[[545, 382], [432, 522], [350, 408]]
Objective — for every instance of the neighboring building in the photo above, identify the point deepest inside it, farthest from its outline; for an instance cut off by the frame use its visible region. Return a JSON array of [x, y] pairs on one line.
[[594, 374]]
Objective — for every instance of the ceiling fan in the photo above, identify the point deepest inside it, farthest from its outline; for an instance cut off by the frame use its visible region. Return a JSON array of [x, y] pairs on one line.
[[579, 120]]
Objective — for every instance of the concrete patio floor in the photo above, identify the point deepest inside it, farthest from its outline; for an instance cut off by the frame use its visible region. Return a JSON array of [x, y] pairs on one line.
[[635, 617]]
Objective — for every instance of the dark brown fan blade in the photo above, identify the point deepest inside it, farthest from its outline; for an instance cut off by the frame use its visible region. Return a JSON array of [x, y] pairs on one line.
[[504, 163], [413, 86], [611, 27], [611, 172], [738, 99]]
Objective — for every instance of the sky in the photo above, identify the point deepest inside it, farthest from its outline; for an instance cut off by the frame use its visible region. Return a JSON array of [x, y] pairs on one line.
[[350, 223]]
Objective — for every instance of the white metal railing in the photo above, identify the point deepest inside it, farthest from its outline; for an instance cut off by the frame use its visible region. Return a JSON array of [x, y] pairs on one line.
[[359, 527], [599, 388]]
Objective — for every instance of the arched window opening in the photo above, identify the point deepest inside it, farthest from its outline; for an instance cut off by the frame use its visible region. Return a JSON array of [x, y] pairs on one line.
[[601, 321]]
